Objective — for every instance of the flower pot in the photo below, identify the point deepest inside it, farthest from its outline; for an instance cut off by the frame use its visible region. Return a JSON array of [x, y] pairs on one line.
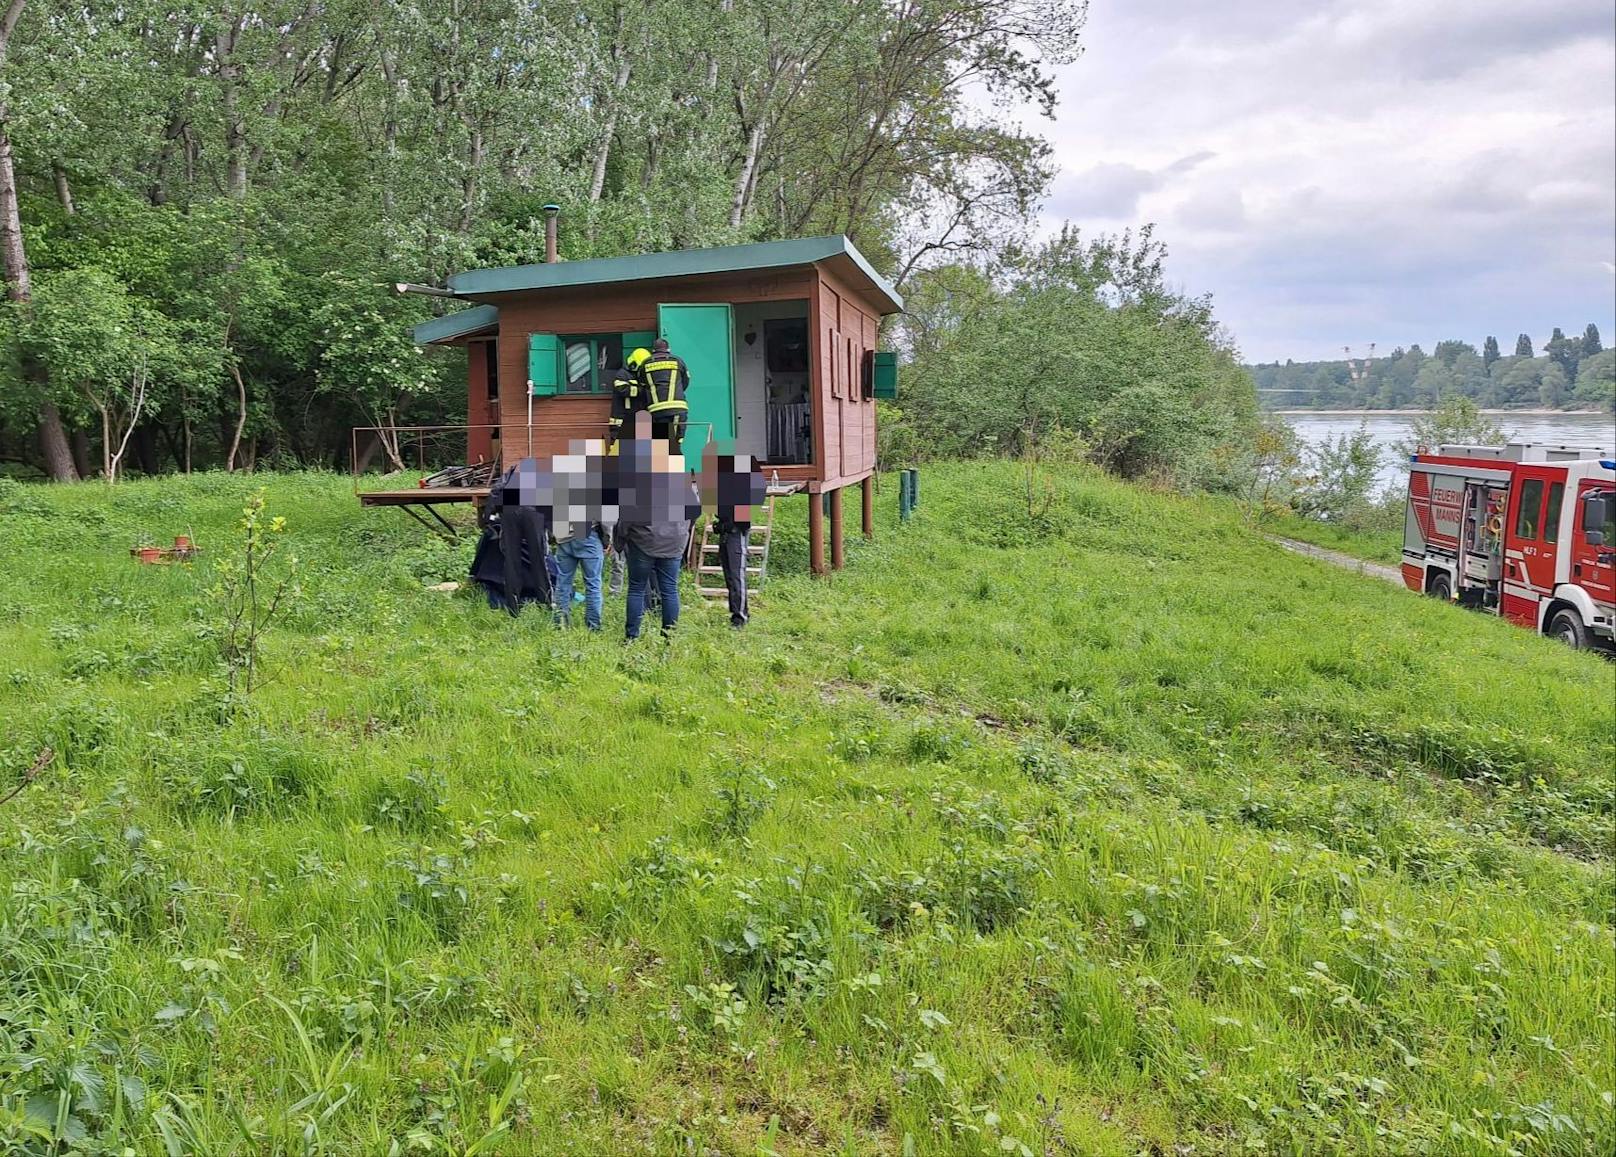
[[182, 542], [149, 554]]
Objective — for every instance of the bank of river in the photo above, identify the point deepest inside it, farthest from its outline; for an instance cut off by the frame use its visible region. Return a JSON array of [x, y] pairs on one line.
[[1389, 427]]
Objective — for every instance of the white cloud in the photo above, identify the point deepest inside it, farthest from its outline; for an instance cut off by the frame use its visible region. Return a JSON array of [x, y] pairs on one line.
[[1386, 170]]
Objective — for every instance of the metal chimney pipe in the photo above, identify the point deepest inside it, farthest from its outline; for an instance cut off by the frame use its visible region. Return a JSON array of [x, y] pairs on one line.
[[551, 212]]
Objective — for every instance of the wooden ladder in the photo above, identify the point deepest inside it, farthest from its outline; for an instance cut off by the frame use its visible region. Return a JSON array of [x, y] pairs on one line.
[[709, 565]]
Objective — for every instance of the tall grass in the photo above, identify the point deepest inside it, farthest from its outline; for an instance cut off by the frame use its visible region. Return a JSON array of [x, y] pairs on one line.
[[1119, 830]]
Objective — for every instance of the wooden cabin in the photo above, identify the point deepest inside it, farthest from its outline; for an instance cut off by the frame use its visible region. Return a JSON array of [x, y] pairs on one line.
[[780, 338]]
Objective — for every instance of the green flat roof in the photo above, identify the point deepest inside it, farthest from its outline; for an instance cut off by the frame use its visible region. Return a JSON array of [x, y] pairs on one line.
[[458, 324], [679, 263]]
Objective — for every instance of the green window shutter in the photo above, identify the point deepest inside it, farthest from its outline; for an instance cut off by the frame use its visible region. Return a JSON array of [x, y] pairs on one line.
[[545, 375], [886, 374]]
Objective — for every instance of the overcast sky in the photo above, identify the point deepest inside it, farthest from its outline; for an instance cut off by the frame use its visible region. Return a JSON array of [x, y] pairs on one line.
[[1348, 171]]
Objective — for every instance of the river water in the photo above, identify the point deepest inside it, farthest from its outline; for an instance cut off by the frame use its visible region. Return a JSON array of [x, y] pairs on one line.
[[1390, 427]]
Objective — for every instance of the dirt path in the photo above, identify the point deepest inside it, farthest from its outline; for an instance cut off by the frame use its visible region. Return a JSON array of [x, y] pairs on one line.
[[1345, 561]]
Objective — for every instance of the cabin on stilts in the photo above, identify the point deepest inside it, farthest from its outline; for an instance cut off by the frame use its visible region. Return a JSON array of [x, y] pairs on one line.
[[780, 338]]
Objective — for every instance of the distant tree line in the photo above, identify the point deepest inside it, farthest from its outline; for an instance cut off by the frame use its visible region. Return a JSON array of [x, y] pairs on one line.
[[202, 205], [1571, 373]]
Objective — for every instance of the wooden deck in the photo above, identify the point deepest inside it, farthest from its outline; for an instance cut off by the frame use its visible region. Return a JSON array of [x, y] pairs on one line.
[[427, 498], [423, 496]]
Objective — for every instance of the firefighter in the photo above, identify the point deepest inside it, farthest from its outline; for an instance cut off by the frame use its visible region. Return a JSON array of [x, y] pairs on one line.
[[663, 380], [626, 402], [626, 397]]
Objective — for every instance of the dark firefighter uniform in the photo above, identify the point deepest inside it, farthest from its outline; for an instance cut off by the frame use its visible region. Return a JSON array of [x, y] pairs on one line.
[[625, 400], [662, 382]]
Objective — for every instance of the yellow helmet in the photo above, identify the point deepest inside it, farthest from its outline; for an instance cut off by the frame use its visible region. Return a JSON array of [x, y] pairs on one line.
[[637, 359]]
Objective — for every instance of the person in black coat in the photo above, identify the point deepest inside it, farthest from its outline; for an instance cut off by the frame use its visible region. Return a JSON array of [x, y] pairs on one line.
[[520, 498], [732, 486]]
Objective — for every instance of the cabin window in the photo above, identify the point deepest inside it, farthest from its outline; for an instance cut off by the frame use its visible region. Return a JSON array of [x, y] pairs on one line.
[[589, 359], [1526, 518], [1551, 516]]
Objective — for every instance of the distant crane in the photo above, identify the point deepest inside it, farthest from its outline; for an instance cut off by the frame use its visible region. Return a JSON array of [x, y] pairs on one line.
[[1358, 369]]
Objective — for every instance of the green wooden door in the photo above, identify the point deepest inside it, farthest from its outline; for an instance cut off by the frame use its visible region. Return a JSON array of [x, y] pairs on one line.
[[704, 336]]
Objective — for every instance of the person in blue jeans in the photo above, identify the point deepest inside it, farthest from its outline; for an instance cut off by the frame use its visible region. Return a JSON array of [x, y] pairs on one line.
[[583, 550], [644, 568], [656, 503]]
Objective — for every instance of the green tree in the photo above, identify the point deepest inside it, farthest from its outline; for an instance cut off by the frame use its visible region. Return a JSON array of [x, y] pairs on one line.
[[1339, 475], [1274, 458], [368, 357], [1596, 381], [1563, 352], [1470, 375], [1489, 352], [1448, 351], [88, 332], [1455, 421], [1434, 381], [1521, 384], [16, 270], [1590, 341], [1085, 336], [1552, 387], [1523, 346]]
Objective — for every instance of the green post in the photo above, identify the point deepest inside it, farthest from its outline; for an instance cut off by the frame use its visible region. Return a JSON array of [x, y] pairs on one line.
[[914, 488], [903, 496]]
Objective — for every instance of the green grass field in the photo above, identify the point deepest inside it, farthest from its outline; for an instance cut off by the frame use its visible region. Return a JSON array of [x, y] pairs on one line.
[[1123, 831]]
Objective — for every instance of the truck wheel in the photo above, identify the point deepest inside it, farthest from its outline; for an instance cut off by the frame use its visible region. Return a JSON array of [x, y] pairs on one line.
[[1440, 586], [1566, 625]]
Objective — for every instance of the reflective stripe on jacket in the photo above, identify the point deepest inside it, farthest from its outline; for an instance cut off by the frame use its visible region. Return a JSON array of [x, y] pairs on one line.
[[625, 397], [664, 380]]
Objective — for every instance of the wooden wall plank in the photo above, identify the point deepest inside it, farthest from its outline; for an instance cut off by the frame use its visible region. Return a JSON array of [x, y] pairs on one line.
[[851, 417]]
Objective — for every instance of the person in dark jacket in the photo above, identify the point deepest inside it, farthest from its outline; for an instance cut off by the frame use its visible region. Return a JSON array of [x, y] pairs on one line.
[[520, 498], [656, 505], [663, 380], [625, 396], [732, 487], [488, 568]]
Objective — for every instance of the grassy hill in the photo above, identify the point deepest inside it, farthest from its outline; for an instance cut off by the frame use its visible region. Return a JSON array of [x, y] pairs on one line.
[[1115, 831]]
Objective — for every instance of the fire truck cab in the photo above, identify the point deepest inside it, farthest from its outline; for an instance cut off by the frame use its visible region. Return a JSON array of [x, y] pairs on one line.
[[1525, 531]]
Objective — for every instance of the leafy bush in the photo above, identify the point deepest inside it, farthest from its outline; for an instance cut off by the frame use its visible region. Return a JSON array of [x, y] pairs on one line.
[[1086, 338], [775, 940]]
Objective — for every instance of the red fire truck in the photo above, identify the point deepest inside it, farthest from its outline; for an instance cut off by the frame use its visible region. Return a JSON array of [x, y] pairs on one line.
[[1525, 531]]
